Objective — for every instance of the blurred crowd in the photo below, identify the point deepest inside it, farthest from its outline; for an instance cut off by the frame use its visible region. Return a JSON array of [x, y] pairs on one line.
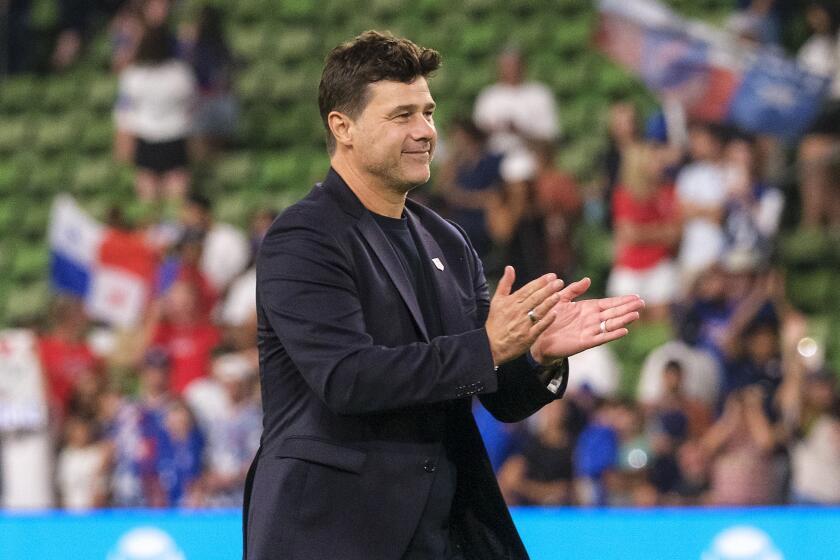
[[737, 408]]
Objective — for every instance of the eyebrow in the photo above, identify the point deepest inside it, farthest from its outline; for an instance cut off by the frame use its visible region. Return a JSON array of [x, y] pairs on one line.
[[411, 108]]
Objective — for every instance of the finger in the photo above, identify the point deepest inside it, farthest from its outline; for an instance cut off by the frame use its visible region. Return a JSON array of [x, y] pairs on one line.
[[615, 323], [541, 295], [544, 308], [606, 303], [611, 335], [505, 282], [618, 311], [523, 293], [540, 327], [576, 289]]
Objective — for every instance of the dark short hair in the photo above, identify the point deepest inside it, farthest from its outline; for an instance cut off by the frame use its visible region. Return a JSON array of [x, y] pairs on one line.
[[370, 57], [156, 46]]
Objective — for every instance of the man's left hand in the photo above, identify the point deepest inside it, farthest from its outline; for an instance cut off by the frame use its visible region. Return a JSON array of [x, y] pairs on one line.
[[580, 325]]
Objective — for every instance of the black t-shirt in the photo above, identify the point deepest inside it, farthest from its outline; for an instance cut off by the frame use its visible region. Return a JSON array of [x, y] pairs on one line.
[[432, 538]]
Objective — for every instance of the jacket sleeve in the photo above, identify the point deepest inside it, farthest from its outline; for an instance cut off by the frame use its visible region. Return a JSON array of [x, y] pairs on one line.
[[521, 390], [308, 295]]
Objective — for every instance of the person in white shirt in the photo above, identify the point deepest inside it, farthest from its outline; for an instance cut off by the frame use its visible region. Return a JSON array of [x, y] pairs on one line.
[[226, 251], [701, 195], [513, 111], [154, 105], [81, 467]]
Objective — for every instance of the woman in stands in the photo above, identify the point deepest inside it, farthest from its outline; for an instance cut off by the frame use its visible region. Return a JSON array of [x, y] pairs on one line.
[[647, 230], [155, 102]]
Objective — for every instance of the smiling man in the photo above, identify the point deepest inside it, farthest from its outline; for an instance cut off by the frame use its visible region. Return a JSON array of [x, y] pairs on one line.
[[376, 329]]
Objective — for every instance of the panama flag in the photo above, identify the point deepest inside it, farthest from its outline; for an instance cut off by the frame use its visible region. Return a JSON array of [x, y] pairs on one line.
[[110, 269]]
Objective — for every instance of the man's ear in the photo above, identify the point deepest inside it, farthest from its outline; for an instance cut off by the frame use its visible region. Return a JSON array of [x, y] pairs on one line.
[[341, 127]]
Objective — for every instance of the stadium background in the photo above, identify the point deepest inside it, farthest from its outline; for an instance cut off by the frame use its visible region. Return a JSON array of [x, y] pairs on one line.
[[57, 136]]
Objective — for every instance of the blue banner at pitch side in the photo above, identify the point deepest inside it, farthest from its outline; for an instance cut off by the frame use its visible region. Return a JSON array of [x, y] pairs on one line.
[[550, 534]]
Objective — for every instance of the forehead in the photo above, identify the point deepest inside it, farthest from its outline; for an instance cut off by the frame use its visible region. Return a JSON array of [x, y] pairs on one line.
[[386, 93]]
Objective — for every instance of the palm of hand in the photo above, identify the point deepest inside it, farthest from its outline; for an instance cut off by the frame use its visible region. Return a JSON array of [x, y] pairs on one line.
[[567, 335], [577, 325]]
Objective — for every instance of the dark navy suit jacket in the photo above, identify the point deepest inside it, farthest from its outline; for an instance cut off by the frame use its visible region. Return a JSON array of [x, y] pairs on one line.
[[355, 394]]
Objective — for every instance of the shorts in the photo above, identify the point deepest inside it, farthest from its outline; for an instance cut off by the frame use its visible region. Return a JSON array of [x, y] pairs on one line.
[[161, 157], [658, 285]]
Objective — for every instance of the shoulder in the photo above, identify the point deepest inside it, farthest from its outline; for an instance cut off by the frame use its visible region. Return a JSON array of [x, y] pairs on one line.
[[442, 229]]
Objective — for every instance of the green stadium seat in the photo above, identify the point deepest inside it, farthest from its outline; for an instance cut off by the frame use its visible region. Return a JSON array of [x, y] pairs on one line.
[[94, 176], [97, 137], [811, 290], [805, 248], [30, 263], [17, 94], [30, 302], [61, 94], [15, 133], [100, 93]]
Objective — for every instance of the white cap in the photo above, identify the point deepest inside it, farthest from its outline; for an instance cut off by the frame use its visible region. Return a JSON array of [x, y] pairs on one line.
[[232, 367], [518, 165]]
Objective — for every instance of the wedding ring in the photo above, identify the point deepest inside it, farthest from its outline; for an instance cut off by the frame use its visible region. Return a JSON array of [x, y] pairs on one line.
[[604, 327], [533, 316]]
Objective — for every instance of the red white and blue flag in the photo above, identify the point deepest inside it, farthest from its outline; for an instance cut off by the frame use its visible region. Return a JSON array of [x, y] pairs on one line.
[[110, 269], [713, 75]]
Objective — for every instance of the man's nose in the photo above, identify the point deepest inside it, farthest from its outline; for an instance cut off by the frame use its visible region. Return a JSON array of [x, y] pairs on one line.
[[423, 128]]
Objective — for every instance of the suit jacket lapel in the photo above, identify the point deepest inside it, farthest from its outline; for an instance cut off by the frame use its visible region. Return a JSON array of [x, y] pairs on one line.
[[447, 299], [389, 259]]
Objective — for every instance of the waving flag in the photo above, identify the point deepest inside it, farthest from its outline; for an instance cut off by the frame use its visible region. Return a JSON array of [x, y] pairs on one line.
[[110, 269], [715, 77]]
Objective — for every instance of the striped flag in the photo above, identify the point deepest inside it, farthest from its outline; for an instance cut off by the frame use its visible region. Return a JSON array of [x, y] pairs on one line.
[[110, 269]]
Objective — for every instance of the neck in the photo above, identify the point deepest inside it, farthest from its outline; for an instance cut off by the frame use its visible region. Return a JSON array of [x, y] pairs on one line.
[[375, 195]]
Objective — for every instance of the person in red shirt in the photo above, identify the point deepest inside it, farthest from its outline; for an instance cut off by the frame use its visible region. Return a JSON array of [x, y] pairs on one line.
[[647, 229], [180, 327], [66, 357]]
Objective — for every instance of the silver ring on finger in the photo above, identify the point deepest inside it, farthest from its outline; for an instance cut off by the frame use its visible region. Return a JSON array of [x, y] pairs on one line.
[[603, 327], [533, 317]]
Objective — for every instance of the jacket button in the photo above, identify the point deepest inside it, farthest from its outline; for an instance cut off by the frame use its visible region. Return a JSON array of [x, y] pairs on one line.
[[429, 466]]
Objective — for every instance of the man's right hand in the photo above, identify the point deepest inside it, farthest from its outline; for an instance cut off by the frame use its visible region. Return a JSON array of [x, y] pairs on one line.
[[509, 328]]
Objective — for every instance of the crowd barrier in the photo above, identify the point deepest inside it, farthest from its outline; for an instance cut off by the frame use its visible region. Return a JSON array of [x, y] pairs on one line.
[[790, 533]]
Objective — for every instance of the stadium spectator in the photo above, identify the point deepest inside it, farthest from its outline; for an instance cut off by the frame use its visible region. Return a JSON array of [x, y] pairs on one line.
[[692, 484], [647, 228], [740, 444], [597, 370], [216, 111], [125, 29], [513, 111], [676, 414], [559, 201], [515, 220], [622, 132], [75, 20], [809, 404], [154, 105], [226, 250], [179, 457], [81, 467], [818, 54], [65, 355], [751, 342], [700, 378], [184, 265], [627, 483], [233, 432], [701, 194], [596, 455], [542, 472], [753, 208], [465, 179], [177, 325]]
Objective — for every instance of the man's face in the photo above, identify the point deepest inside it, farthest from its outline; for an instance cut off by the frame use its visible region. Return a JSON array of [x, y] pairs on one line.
[[394, 137]]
